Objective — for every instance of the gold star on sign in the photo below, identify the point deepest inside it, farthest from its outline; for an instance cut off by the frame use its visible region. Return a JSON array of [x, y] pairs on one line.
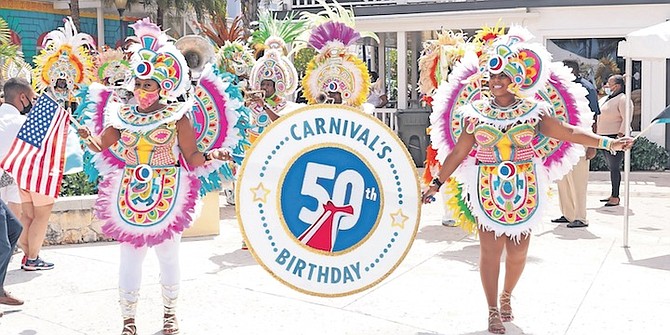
[[260, 193], [398, 219]]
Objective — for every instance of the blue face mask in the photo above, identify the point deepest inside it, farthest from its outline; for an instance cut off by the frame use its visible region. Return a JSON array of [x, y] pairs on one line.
[[608, 91]]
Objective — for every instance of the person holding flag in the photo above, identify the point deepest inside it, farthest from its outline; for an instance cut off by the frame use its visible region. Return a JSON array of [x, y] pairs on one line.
[[18, 94], [36, 159], [38, 156]]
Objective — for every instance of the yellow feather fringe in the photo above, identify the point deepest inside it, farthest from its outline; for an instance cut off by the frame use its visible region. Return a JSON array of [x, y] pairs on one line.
[[455, 204]]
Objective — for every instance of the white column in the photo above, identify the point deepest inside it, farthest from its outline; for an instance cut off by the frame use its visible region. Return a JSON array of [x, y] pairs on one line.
[[414, 69], [100, 16], [381, 55], [653, 98], [402, 69]]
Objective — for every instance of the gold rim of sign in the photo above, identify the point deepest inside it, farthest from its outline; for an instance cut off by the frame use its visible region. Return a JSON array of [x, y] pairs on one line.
[[266, 133]]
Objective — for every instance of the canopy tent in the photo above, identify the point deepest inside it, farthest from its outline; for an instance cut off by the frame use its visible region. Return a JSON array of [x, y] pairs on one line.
[[648, 43]]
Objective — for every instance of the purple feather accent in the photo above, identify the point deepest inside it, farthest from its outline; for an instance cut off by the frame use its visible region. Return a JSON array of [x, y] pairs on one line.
[[150, 34], [332, 31], [101, 96], [182, 215], [446, 105], [571, 117]]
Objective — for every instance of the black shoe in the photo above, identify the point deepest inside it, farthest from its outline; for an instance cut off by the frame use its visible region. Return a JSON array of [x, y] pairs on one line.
[[605, 200], [577, 224], [610, 203], [562, 219]]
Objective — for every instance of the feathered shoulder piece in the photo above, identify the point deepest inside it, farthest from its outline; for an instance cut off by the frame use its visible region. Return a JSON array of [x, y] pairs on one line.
[[156, 57], [65, 61]]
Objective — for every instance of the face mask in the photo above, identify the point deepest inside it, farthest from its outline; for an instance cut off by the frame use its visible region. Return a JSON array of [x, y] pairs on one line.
[[608, 91], [27, 108], [145, 98]]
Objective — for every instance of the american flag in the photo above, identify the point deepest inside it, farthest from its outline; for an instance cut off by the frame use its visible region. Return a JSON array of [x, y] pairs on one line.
[[37, 154]]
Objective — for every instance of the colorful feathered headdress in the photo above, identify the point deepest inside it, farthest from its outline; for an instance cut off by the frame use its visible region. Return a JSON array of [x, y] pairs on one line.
[[66, 56], [438, 58], [234, 55], [113, 68], [334, 68], [527, 64], [273, 37], [155, 57]]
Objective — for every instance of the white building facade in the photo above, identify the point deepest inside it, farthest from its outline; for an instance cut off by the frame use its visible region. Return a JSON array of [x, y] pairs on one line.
[[404, 24]]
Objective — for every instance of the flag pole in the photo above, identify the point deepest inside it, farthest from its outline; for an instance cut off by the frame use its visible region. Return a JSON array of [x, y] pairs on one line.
[[645, 129], [79, 126], [76, 123]]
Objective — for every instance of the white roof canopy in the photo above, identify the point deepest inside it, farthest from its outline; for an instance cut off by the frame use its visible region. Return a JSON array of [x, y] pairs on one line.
[[648, 43]]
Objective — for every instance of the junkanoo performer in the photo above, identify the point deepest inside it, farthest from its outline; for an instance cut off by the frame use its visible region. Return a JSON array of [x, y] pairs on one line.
[[152, 199], [335, 74], [233, 55], [510, 136], [273, 77], [65, 63], [113, 70], [438, 58]]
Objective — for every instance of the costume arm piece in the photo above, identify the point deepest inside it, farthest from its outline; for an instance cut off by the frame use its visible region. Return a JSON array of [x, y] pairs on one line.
[[463, 147], [552, 127], [187, 145], [460, 152], [109, 136]]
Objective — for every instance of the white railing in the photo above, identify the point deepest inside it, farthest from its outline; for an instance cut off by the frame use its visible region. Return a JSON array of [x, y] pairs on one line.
[[303, 4], [388, 117]]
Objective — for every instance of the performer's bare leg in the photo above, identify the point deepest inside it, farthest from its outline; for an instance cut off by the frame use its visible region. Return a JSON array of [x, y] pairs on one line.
[[515, 262], [490, 249]]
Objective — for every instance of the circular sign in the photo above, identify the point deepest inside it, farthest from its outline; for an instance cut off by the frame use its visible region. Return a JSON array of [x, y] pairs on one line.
[[328, 200]]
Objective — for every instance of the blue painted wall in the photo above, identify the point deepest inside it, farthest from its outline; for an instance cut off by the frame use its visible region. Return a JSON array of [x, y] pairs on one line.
[[30, 25]]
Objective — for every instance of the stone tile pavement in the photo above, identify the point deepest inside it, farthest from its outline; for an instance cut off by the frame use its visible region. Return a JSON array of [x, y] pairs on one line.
[[577, 281]]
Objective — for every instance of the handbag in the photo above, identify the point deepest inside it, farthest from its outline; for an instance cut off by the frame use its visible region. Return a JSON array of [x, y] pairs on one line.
[[6, 179]]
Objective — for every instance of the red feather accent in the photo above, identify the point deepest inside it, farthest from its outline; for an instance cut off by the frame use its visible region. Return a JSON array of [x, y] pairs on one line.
[[430, 164]]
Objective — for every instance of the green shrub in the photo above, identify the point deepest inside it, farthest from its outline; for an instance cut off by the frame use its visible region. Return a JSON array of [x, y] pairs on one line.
[[645, 156], [77, 184]]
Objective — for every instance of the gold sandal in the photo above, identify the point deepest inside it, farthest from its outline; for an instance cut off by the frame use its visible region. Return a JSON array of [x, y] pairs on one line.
[[506, 307], [495, 323], [170, 325], [129, 327]]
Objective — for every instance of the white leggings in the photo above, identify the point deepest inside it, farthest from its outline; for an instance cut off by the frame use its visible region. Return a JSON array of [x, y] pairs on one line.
[[130, 273]]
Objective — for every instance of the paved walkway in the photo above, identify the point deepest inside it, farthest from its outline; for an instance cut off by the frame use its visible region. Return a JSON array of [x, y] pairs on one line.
[[577, 281]]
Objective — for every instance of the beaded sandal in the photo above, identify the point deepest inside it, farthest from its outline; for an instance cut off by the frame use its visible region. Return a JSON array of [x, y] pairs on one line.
[[505, 307], [495, 323]]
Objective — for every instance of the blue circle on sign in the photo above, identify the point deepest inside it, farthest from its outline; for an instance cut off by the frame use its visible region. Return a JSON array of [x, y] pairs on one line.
[[330, 199]]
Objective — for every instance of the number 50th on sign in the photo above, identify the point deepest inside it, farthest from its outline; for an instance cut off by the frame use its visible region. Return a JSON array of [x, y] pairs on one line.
[[328, 200]]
